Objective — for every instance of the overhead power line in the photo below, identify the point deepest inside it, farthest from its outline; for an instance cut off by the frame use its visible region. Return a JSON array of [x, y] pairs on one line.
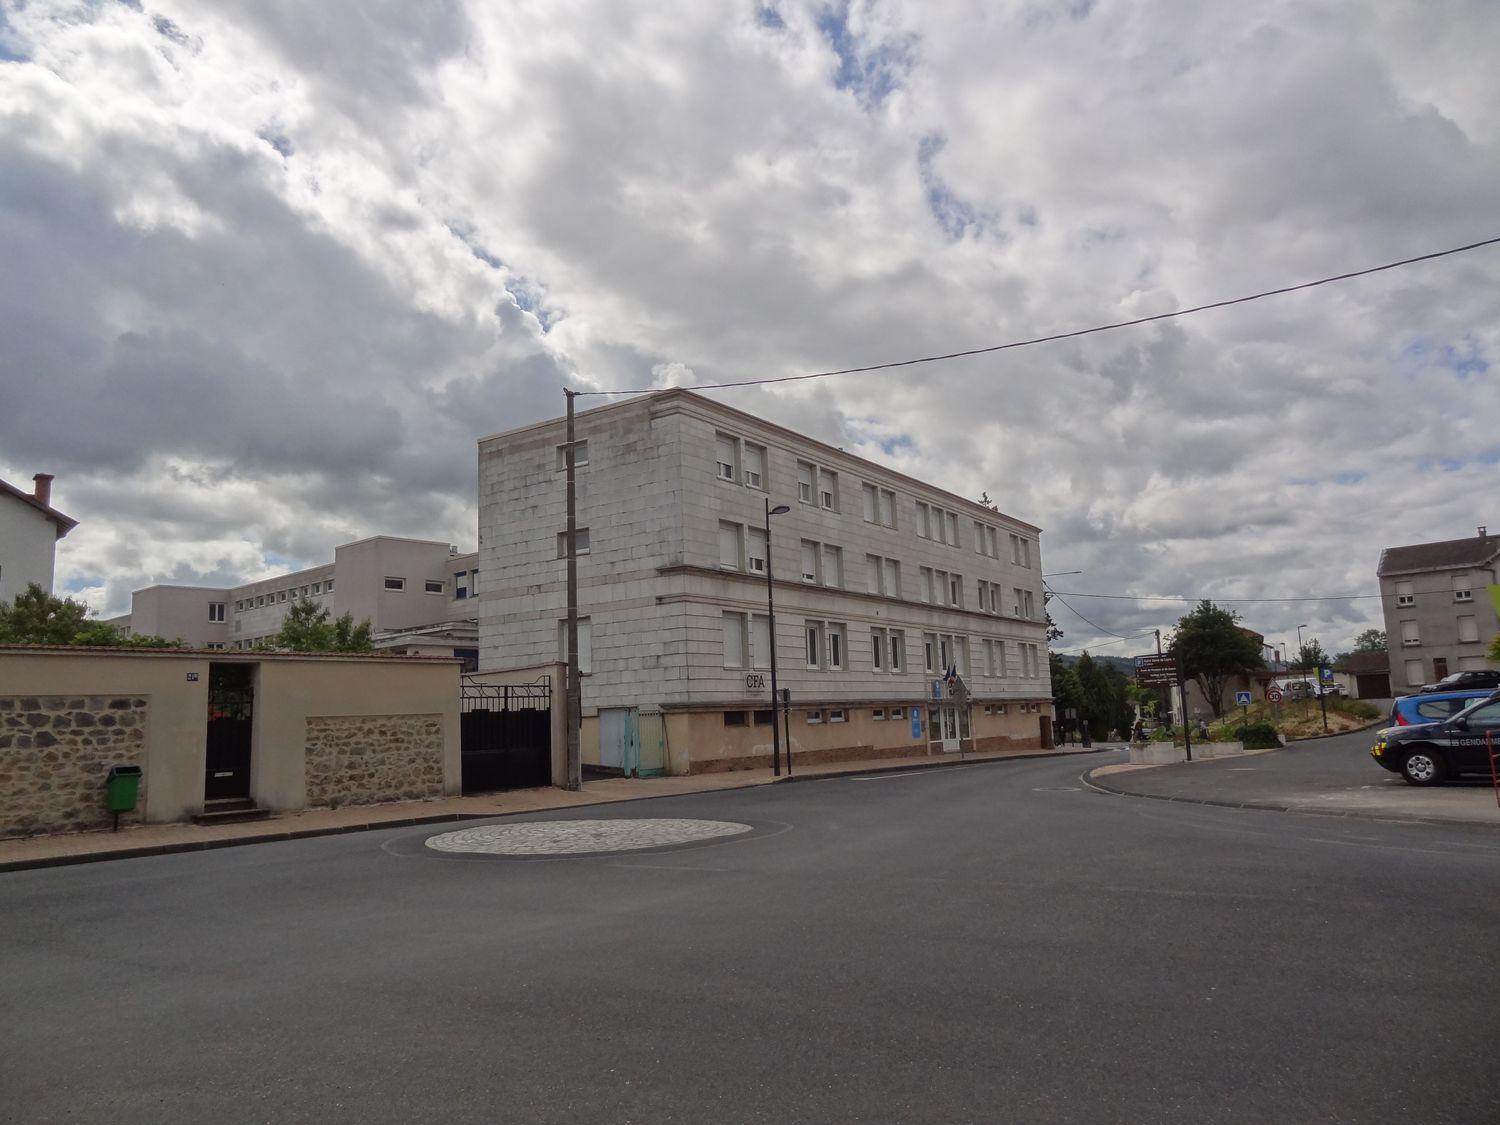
[[1066, 335], [1085, 620]]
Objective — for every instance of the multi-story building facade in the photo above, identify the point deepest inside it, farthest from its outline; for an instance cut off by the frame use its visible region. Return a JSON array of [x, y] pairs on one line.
[[417, 595], [882, 583], [1439, 617], [29, 530]]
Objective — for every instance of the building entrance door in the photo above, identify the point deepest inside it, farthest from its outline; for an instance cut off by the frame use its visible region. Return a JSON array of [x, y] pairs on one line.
[[1439, 667], [943, 722], [231, 710]]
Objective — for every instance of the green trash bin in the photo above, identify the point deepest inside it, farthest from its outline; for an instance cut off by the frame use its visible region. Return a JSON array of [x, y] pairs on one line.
[[121, 788]]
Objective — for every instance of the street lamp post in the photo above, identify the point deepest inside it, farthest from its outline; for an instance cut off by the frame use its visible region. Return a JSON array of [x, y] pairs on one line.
[[1299, 644], [779, 510]]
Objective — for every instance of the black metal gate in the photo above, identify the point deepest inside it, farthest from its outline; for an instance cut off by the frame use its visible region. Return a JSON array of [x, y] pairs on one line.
[[231, 709], [506, 734]]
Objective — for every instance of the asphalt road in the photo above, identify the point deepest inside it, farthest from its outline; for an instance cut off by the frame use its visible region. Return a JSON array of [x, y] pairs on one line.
[[1327, 775], [986, 943]]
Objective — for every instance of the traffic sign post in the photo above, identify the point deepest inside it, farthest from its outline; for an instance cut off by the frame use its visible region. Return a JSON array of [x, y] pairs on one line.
[[1164, 670], [1243, 699]]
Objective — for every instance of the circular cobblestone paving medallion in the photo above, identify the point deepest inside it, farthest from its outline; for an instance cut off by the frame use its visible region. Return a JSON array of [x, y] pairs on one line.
[[581, 837]]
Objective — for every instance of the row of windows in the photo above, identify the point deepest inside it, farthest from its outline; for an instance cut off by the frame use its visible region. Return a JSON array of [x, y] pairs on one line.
[[1463, 591], [294, 592], [1468, 632], [742, 548], [898, 713], [738, 461]]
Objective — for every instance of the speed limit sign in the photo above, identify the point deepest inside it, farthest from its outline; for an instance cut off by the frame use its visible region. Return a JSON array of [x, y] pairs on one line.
[[1273, 695]]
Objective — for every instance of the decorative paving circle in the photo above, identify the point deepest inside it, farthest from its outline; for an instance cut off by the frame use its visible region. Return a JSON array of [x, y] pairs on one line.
[[581, 837]]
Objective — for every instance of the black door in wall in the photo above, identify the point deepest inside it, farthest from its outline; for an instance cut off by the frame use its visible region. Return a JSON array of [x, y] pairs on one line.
[[231, 709]]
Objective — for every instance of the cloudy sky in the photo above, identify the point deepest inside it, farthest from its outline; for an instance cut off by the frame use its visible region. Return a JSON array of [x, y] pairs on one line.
[[268, 269]]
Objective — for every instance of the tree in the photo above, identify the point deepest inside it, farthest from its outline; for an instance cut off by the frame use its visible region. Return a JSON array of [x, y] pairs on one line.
[[307, 628], [1311, 655], [1371, 640], [1212, 647], [1053, 632], [39, 618], [1066, 694], [1495, 649]]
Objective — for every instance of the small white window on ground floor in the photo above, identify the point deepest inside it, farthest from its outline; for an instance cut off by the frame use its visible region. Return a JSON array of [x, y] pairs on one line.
[[1414, 673], [815, 716], [878, 714], [836, 715]]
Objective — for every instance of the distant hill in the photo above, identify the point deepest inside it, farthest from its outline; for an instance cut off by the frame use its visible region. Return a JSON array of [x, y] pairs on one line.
[[1124, 664]]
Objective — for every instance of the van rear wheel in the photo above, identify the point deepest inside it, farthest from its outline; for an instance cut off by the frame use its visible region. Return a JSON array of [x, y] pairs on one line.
[[1423, 767]]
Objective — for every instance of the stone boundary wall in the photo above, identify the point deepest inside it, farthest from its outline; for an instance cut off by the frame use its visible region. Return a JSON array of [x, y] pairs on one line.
[[364, 760], [55, 752]]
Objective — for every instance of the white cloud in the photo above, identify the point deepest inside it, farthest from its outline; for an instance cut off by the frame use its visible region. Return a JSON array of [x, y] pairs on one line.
[[289, 260]]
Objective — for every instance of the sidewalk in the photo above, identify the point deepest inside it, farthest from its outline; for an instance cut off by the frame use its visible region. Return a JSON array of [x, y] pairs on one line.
[[160, 839]]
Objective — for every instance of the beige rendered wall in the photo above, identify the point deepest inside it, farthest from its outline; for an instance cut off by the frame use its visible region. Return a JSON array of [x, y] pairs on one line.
[[176, 712], [289, 692], [28, 547], [180, 613]]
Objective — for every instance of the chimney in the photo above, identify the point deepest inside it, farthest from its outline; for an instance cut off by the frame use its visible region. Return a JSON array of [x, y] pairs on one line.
[[1483, 531], [43, 490]]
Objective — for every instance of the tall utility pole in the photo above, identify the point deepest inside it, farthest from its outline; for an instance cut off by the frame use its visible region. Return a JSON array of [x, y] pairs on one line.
[[574, 764]]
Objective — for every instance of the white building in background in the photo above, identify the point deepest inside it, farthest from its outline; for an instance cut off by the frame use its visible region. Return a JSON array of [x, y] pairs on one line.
[[882, 583], [29, 530], [417, 595]]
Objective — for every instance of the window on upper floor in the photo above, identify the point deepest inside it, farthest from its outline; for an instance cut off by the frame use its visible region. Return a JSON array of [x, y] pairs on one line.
[[833, 566], [754, 467], [835, 637], [1462, 590], [580, 454], [879, 505], [585, 644], [937, 523], [580, 540], [810, 558], [807, 474], [926, 585], [1028, 606], [1410, 635], [755, 550], [817, 486], [1468, 629], [736, 640], [461, 584], [731, 545], [393, 583], [216, 611], [760, 640], [433, 586], [726, 457], [828, 490], [328, 586]]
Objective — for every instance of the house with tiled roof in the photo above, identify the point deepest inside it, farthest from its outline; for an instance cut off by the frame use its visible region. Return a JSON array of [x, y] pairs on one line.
[[29, 530], [1439, 617]]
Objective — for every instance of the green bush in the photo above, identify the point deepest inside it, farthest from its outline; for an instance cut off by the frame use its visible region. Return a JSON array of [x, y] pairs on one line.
[[1260, 736]]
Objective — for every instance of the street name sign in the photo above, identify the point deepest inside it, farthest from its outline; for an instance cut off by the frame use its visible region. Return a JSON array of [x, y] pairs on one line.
[[1155, 671]]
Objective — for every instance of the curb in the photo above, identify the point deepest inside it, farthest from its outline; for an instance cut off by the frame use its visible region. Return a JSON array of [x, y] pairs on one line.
[[941, 763], [1339, 734], [444, 818], [1266, 806]]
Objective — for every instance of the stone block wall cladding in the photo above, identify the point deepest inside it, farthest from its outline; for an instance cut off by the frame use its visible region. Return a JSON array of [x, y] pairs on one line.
[[56, 751], [364, 760]]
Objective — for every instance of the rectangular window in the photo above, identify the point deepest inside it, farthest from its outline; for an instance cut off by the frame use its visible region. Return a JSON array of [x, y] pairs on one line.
[[898, 712], [580, 455], [1015, 549], [871, 497], [925, 588], [877, 714], [1409, 634], [809, 561], [281, 596], [828, 490], [877, 649], [1015, 602], [836, 715], [892, 579], [980, 539], [833, 566], [952, 538], [924, 518], [765, 718], [1404, 595], [580, 540], [984, 596], [815, 716], [1414, 673], [461, 584], [994, 543], [1468, 629], [760, 641], [754, 466], [1462, 592], [887, 508], [328, 586], [734, 719], [730, 535], [734, 640], [585, 644], [755, 554], [929, 652], [872, 574], [216, 611], [216, 645], [835, 640], [805, 473], [1028, 607], [724, 456], [898, 650], [432, 586], [956, 590], [813, 631], [879, 506]]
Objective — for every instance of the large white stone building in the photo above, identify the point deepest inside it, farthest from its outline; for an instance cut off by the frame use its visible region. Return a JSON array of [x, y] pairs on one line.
[[29, 530], [882, 582], [417, 595]]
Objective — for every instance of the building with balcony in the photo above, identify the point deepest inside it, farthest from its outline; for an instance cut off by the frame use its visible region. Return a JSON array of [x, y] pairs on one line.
[[1439, 617], [882, 584]]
